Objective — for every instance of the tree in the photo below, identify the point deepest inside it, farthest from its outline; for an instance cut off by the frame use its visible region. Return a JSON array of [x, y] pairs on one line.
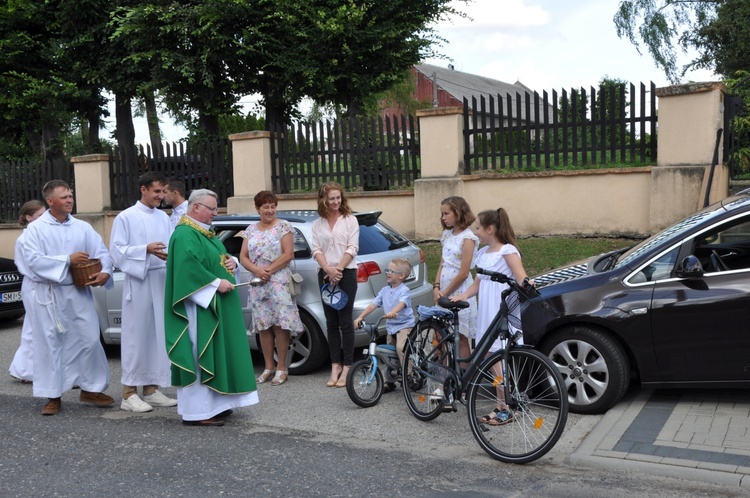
[[725, 41], [193, 50], [39, 97], [664, 25]]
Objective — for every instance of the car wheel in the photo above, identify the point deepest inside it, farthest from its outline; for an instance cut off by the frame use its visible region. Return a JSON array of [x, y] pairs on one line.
[[309, 350], [594, 367]]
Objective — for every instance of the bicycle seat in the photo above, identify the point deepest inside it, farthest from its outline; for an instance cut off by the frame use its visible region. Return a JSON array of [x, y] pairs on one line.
[[445, 302]]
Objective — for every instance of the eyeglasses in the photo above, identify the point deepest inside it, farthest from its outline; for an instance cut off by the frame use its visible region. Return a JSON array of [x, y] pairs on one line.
[[388, 271], [213, 210]]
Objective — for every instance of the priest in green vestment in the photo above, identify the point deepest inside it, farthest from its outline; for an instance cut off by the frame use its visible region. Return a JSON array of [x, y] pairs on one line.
[[205, 330]]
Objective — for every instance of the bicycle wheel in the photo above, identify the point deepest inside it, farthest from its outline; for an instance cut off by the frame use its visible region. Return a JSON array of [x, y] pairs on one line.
[[423, 393], [364, 383], [537, 408]]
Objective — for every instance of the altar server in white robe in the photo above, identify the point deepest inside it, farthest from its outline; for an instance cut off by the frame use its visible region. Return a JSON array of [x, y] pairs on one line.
[[66, 346], [174, 195], [22, 366], [138, 246]]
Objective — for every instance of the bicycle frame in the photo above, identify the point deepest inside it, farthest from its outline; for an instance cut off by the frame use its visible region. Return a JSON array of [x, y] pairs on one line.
[[497, 329]]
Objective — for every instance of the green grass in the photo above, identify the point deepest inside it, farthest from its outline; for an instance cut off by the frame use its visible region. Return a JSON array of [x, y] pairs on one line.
[[541, 254]]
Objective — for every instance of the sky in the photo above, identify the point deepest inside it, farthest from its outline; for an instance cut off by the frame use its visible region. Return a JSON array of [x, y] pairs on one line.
[[544, 44]]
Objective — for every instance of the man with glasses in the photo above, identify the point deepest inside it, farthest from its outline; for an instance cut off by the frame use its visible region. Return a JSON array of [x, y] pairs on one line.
[[205, 330]]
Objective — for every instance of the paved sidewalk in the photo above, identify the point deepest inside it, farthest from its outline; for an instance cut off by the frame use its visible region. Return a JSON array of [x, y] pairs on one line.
[[701, 435]]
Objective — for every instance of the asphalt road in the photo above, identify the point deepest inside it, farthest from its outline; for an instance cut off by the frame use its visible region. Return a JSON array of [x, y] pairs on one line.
[[302, 439]]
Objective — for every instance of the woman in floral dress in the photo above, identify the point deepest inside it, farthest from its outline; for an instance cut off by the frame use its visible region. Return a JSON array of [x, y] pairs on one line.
[[454, 272], [266, 252]]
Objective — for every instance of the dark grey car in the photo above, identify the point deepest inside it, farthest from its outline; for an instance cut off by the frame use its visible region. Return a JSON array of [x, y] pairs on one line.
[[11, 306]]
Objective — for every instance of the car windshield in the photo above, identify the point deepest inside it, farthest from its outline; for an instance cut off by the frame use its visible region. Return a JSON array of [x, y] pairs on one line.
[[665, 236]]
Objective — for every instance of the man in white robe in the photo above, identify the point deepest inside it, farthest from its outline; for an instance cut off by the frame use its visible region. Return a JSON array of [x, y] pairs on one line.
[[174, 195], [66, 344], [138, 246]]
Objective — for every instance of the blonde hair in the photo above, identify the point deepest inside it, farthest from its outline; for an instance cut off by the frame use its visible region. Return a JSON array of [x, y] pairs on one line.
[[402, 265]]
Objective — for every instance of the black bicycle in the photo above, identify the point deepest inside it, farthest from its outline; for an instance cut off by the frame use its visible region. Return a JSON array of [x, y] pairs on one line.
[[516, 399]]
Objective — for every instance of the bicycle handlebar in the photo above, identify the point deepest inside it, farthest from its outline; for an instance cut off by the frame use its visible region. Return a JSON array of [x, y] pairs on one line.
[[526, 287]]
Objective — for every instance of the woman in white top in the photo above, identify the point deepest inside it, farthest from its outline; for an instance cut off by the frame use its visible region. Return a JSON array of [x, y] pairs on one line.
[[335, 245]]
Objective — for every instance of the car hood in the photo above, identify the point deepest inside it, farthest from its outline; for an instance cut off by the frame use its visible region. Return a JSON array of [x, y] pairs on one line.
[[566, 273]]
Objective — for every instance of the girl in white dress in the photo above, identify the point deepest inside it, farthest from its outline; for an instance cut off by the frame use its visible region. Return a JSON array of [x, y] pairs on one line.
[[498, 255], [454, 272]]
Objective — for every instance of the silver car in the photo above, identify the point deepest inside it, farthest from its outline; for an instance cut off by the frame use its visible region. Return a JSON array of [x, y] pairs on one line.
[[378, 245]]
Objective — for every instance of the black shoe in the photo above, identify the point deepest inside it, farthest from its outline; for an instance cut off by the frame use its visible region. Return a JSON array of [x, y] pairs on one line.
[[388, 387]]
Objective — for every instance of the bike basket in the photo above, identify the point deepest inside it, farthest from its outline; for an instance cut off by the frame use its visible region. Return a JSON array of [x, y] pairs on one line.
[[511, 308]]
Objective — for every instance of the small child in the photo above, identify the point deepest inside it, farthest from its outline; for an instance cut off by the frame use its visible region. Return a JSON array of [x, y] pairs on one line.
[[395, 298]]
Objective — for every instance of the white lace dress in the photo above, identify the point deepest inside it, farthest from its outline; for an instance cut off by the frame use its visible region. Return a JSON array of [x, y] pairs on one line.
[[452, 246]]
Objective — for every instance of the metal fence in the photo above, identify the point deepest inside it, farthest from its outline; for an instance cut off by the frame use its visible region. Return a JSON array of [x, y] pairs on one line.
[[21, 181], [368, 153], [201, 164], [608, 125]]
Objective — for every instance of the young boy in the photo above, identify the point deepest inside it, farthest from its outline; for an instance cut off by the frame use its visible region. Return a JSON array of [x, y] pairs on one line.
[[395, 299]]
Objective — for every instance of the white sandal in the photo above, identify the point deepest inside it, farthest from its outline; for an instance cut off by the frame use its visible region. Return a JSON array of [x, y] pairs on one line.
[[277, 379], [264, 376]]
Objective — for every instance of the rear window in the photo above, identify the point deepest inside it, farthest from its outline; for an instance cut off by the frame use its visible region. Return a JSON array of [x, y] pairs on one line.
[[379, 238]]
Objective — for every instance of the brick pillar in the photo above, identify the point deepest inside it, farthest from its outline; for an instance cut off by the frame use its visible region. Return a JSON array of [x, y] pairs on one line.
[[689, 117], [92, 192], [251, 153], [442, 161]]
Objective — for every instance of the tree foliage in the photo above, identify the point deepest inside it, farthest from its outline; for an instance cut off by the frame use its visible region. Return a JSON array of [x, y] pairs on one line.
[[666, 27], [57, 57]]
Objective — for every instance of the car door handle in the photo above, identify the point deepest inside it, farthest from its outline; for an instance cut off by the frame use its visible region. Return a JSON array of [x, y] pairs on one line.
[[639, 311]]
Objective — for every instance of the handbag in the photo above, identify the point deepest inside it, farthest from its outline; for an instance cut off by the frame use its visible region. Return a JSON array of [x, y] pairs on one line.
[[294, 284]]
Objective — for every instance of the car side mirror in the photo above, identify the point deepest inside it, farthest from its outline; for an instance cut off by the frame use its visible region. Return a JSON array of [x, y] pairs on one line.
[[690, 267]]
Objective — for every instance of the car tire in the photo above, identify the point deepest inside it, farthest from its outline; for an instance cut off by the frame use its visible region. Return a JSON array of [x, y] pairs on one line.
[[309, 350], [594, 367]]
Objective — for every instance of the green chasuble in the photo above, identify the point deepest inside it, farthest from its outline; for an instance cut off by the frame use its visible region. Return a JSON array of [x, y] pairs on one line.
[[197, 258]]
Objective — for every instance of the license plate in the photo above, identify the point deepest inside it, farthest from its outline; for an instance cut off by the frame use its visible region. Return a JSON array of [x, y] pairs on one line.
[[411, 275], [10, 297]]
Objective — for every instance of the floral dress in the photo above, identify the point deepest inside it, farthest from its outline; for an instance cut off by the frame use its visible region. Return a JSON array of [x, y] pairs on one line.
[[452, 246], [271, 303]]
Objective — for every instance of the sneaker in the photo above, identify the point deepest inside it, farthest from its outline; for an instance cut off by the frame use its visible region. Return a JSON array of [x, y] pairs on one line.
[[53, 406], [135, 404], [159, 399], [501, 418], [99, 399]]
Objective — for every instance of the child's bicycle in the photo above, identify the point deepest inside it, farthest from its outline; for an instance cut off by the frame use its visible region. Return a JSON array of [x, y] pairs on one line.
[[364, 382], [516, 398]]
